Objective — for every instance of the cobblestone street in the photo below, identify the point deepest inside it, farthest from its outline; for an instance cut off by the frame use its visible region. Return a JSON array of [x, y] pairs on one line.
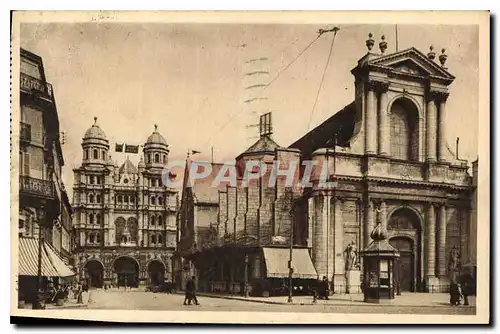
[[140, 300]]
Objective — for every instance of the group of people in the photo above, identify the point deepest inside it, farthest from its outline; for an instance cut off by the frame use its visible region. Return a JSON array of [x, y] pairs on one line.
[[322, 290], [459, 290]]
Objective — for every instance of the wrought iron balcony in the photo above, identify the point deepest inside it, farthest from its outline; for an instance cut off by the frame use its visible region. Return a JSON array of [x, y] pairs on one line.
[[33, 85], [37, 187], [25, 132]]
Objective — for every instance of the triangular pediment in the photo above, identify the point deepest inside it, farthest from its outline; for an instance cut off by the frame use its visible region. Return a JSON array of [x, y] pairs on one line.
[[412, 61]]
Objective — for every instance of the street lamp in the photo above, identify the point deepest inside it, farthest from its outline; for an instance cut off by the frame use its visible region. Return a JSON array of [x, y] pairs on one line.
[[38, 297], [290, 267]]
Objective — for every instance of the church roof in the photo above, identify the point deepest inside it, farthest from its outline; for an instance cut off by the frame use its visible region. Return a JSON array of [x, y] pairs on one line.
[[156, 138], [128, 167], [341, 123], [94, 132], [264, 145]]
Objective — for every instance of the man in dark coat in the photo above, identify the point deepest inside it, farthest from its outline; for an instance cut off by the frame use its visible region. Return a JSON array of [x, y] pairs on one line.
[[191, 292], [325, 288]]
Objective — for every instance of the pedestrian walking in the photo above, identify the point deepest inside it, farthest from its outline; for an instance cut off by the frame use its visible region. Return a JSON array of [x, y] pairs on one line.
[[325, 287], [191, 292]]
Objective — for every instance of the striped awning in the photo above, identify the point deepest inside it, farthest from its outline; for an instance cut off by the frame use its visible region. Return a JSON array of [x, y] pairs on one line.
[[277, 263], [51, 264]]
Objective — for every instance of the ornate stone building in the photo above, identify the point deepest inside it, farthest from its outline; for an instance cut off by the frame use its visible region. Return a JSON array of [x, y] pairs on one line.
[[125, 218], [44, 208], [387, 156], [392, 165]]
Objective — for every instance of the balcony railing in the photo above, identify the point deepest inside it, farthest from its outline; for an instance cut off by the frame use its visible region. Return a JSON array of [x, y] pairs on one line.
[[37, 187], [25, 132], [32, 84]]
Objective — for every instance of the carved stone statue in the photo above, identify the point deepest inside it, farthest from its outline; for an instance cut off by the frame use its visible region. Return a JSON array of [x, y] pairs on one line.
[[351, 257], [454, 260]]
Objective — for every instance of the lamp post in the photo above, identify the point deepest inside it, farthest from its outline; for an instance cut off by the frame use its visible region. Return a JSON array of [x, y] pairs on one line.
[[290, 267], [38, 298]]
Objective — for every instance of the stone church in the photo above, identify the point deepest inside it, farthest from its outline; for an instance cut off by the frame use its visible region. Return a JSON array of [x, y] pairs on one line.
[[124, 217], [389, 163]]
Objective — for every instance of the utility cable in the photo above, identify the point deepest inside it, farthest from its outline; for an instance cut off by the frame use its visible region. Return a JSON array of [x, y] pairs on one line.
[[322, 79]]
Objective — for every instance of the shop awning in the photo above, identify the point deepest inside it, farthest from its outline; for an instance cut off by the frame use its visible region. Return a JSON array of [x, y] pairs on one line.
[[277, 263], [52, 265]]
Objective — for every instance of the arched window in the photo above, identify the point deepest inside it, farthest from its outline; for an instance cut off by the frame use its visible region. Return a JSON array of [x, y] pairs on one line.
[[157, 158], [153, 220], [404, 130], [119, 198], [160, 200], [87, 154], [98, 219], [149, 158], [98, 179], [98, 199], [125, 198], [132, 199], [91, 218], [91, 179], [91, 198], [96, 154], [160, 219], [160, 239], [103, 155], [164, 159], [98, 238], [153, 200], [153, 239], [91, 238]]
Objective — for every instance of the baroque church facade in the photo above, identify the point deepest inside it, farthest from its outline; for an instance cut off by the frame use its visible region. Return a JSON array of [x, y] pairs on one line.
[[124, 217], [389, 163]]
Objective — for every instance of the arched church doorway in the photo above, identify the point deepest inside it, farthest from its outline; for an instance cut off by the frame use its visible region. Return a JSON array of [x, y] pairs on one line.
[[156, 271], [127, 272], [404, 234], [94, 274]]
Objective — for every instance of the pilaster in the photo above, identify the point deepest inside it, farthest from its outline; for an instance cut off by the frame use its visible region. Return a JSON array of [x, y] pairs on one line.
[[431, 131], [371, 119]]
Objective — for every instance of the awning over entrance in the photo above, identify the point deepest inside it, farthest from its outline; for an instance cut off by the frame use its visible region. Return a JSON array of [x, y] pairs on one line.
[[277, 263], [52, 265]]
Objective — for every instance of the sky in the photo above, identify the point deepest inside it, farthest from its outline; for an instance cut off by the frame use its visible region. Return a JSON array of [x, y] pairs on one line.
[[190, 80]]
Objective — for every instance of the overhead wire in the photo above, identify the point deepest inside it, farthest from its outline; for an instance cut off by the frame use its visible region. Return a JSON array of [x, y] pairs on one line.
[[322, 80], [232, 116]]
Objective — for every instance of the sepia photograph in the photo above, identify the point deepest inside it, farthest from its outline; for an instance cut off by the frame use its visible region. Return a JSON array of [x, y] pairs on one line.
[[250, 167]]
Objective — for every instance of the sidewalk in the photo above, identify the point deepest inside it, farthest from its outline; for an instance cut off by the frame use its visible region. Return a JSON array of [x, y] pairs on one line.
[[406, 299], [71, 303]]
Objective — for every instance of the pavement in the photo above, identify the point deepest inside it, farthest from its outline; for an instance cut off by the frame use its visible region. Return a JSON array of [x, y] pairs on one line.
[[406, 299], [141, 300], [70, 304]]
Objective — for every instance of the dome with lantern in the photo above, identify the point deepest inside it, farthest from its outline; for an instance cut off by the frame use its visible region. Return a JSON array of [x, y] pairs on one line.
[[156, 138], [95, 132]]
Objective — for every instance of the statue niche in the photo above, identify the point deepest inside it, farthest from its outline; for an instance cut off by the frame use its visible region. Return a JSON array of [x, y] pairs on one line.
[[126, 231]]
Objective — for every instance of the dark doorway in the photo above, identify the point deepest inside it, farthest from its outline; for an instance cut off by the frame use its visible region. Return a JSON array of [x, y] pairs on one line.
[[405, 265], [95, 273], [156, 271], [127, 271]]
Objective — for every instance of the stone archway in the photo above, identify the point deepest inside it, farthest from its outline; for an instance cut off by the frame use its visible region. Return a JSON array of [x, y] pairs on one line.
[[404, 229], [127, 271], [94, 274], [156, 272]]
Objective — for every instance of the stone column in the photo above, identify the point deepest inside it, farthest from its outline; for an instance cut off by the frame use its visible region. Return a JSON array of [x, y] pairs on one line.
[[319, 237], [431, 131], [383, 127], [310, 221], [371, 120], [383, 215], [368, 223], [442, 242], [442, 128], [430, 269], [338, 247]]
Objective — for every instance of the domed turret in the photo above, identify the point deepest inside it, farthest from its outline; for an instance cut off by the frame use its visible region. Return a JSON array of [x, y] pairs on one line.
[[95, 145], [155, 151]]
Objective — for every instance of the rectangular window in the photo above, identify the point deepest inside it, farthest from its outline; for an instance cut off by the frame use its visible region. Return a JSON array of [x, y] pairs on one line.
[[26, 164]]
